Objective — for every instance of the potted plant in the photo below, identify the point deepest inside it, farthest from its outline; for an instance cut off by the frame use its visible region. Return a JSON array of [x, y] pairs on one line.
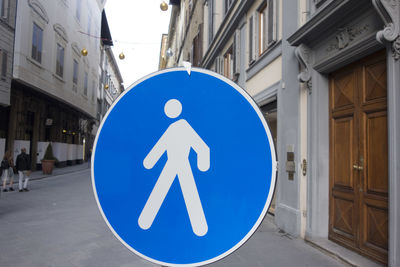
[[48, 160]]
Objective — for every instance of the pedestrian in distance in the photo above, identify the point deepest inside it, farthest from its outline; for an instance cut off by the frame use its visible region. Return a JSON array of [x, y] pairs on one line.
[[89, 157], [7, 166], [4, 169], [23, 164]]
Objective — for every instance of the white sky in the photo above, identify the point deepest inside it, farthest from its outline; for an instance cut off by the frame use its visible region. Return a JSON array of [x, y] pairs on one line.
[[136, 28]]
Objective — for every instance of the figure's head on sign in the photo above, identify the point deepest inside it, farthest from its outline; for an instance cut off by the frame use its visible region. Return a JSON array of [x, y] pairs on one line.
[[173, 108], [194, 189]]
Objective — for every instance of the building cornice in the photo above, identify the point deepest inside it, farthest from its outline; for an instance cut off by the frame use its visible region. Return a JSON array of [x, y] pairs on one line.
[[332, 14]]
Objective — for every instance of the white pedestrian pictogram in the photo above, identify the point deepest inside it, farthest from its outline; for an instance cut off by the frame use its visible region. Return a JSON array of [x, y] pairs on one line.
[[177, 141]]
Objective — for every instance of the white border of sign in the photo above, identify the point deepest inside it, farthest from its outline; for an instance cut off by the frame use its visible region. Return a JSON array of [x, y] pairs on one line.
[[273, 174]]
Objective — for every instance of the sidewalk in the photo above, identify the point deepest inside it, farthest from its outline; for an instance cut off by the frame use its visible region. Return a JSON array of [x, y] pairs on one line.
[[37, 175]]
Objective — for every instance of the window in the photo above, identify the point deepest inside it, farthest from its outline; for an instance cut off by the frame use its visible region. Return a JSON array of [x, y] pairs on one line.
[[93, 89], [60, 61], [228, 63], [3, 58], [197, 51], [75, 72], [78, 10], [85, 84], [266, 31], [37, 42], [89, 24]]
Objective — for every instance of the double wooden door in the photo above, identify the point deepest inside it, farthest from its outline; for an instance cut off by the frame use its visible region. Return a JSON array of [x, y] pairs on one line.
[[358, 208]]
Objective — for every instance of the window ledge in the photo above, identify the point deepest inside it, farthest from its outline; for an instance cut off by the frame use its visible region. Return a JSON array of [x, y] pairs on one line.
[[58, 78], [34, 62]]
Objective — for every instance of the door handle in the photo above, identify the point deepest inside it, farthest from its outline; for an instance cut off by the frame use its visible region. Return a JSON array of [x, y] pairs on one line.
[[356, 167]]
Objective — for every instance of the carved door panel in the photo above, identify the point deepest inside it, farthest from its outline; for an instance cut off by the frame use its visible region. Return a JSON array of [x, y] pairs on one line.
[[358, 216]]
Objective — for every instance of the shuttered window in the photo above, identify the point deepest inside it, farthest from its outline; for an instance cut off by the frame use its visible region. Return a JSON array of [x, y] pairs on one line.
[[267, 25], [236, 53], [253, 37], [228, 63], [227, 6], [197, 48], [211, 21]]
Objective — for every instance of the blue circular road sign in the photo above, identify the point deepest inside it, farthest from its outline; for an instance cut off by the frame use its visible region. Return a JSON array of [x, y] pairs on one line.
[[184, 167]]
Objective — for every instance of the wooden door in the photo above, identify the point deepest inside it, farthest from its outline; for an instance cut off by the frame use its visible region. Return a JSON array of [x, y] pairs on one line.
[[358, 208]]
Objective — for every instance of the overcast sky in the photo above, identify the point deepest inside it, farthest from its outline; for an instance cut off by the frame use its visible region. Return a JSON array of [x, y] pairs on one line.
[[136, 27]]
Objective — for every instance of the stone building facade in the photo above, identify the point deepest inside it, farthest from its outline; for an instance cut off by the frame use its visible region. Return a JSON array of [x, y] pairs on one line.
[[325, 75], [7, 31], [54, 82]]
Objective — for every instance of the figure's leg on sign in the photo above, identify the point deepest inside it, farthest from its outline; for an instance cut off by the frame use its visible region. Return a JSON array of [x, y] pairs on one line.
[[157, 197], [192, 201]]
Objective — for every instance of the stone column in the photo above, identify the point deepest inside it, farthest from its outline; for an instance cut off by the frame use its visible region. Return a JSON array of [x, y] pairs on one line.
[[390, 35]]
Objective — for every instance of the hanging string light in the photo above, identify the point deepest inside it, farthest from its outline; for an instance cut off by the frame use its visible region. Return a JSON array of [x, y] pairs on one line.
[[84, 52], [164, 6], [121, 56]]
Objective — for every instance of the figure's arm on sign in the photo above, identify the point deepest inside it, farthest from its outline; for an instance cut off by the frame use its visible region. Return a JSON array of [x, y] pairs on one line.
[[202, 150], [155, 153]]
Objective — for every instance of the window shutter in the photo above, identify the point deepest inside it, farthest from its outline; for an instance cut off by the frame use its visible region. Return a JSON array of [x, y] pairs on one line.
[[236, 53], [219, 65], [211, 21], [255, 35], [221, 59], [3, 64], [251, 39], [191, 55], [272, 22], [200, 45]]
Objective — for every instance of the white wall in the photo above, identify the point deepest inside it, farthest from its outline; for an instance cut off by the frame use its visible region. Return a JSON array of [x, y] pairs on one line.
[[41, 150], [271, 74], [79, 152], [72, 152], [60, 151], [2, 147]]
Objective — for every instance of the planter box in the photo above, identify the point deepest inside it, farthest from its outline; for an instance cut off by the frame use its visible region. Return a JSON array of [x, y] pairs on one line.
[[47, 166]]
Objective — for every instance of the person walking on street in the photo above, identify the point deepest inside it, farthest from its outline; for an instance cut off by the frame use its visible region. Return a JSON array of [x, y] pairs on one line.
[[4, 168], [8, 171], [23, 164]]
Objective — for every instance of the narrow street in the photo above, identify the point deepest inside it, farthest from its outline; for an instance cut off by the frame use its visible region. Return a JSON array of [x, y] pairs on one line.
[[57, 223]]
